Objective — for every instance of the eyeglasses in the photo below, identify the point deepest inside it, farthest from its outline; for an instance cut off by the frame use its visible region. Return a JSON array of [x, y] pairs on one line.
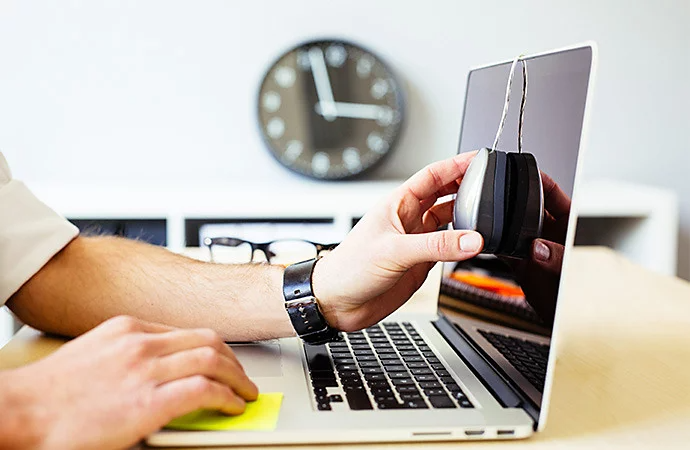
[[280, 251]]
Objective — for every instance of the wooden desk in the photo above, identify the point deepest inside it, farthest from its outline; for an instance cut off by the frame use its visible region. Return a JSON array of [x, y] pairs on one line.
[[623, 374]]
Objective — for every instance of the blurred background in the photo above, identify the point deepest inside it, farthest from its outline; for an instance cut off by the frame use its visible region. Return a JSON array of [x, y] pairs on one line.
[[142, 115]]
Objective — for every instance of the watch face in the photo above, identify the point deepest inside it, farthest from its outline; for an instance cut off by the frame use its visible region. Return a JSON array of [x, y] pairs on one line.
[[330, 110]]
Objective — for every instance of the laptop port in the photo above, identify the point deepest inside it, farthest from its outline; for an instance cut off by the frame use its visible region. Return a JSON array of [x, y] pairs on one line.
[[474, 432], [505, 432]]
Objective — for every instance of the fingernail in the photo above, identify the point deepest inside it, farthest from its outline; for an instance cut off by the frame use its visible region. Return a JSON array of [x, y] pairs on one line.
[[542, 252], [470, 242]]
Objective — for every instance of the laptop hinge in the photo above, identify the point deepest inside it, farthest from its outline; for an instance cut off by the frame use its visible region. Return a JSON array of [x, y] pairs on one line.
[[493, 380]]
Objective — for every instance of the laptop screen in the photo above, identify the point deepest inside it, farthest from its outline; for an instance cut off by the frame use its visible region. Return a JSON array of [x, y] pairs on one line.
[[521, 293]]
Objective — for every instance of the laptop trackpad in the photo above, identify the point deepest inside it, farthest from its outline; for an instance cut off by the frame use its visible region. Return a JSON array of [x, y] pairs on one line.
[[259, 360]]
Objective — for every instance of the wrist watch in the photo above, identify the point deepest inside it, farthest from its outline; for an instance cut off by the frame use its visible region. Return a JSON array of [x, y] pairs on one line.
[[302, 307]]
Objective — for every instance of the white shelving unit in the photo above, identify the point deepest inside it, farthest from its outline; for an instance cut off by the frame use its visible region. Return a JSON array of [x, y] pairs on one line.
[[639, 221]]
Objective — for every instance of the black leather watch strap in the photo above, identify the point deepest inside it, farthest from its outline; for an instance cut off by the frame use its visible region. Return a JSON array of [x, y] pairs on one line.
[[302, 306]]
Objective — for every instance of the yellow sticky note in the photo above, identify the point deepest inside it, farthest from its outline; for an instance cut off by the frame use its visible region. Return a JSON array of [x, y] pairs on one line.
[[261, 414]]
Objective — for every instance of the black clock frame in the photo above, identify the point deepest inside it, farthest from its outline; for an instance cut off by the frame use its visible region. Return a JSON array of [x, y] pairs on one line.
[[400, 99]]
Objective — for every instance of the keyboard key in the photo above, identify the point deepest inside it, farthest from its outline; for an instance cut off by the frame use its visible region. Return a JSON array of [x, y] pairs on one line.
[[437, 366], [372, 370], [374, 377], [415, 404], [368, 352], [369, 364], [447, 380], [391, 404], [411, 396], [362, 358], [343, 361], [403, 382], [356, 347], [409, 389], [337, 344], [381, 386], [382, 351], [346, 367], [323, 375], [405, 354], [379, 340], [411, 359], [430, 385], [324, 406], [421, 371], [317, 358], [358, 400], [397, 375], [335, 398], [464, 403], [441, 401], [424, 378], [325, 383], [348, 374], [402, 348], [434, 392], [390, 360], [399, 368], [416, 365]]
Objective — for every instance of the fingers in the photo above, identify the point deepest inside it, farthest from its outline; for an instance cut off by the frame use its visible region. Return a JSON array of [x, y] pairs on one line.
[[179, 340], [438, 216], [556, 201], [548, 255], [206, 361], [120, 325], [448, 245], [183, 396], [437, 177]]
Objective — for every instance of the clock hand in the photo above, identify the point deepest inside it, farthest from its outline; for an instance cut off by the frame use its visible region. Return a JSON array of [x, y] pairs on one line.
[[323, 85], [355, 110]]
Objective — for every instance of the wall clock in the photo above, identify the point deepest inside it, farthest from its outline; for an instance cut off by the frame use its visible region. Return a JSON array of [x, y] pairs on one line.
[[330, 109]]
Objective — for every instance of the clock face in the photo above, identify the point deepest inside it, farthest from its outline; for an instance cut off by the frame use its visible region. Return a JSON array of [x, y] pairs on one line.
[[330, 110]]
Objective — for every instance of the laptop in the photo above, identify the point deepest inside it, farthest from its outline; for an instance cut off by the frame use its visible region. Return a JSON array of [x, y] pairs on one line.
[[430, 376]]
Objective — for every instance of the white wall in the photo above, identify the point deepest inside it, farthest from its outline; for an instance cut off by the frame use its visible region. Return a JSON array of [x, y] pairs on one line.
[[136, 91]]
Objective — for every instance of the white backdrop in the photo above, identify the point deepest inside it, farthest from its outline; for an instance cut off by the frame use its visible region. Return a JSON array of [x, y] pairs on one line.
[[164, 91]]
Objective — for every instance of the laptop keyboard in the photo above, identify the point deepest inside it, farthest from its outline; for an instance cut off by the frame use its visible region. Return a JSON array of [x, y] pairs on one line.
[[387, 366], [528, 357]]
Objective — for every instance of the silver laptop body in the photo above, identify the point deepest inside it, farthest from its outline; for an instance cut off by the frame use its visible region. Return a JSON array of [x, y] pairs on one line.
[[470, 373]]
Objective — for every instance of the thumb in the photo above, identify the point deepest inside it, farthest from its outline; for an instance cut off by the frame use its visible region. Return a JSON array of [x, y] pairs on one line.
[[446, 245]]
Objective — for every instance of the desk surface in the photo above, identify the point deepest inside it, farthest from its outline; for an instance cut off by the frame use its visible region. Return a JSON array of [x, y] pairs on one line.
[[623, 367]]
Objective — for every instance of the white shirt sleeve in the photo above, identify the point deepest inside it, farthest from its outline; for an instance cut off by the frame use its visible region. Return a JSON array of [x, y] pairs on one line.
[[30, 233]]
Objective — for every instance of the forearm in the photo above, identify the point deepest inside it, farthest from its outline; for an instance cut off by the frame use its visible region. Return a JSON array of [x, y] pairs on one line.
[[93, 279]]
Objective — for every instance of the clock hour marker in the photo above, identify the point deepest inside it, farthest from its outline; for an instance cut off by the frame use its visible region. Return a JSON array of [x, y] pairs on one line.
[[385, 116], [379, 88], [275, 127], [320, 163], [292, 151], [285, 76], [351, 159], [303, 60], [376, 143], [336, 55], [364, 66], [271, 101]]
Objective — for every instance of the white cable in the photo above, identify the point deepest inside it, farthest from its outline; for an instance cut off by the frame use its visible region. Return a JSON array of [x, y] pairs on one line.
[[506, 103]]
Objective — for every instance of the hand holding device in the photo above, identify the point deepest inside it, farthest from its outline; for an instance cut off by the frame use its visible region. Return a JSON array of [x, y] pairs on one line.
[[388, 254]]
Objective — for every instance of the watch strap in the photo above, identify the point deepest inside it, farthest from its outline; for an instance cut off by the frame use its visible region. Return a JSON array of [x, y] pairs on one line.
[[301, 305]]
